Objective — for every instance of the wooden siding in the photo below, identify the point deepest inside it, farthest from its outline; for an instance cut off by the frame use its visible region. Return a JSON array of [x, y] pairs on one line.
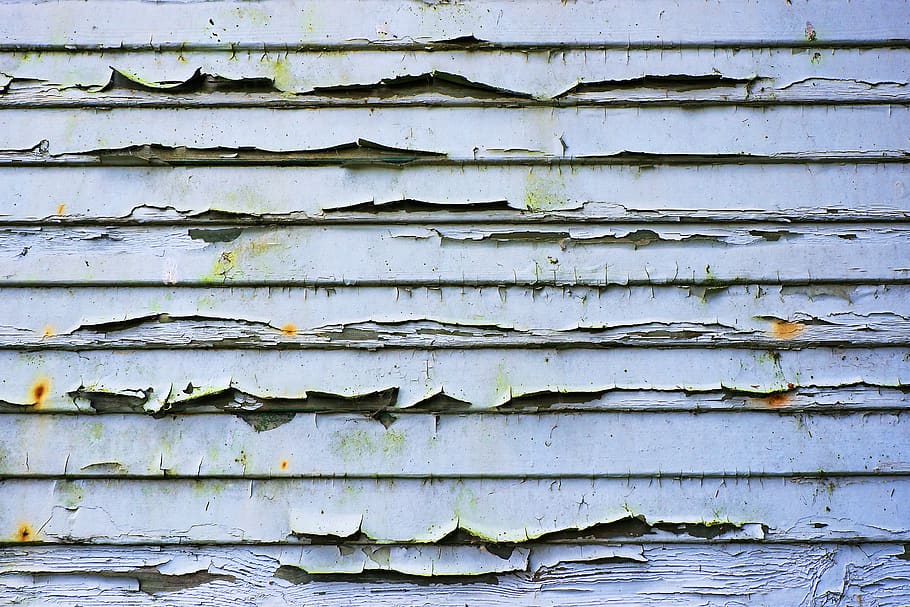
[[455, 303]]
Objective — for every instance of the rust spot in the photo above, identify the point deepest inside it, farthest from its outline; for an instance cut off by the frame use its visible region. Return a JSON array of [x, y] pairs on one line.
[[61, 208], [24, 533], [289, 329], [47, 331], [782, 329], [284, 464], [775, 401], [39, 390]]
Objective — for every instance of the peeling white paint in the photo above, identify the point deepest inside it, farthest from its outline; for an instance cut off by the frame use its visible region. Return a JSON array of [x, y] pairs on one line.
[[471, 303]]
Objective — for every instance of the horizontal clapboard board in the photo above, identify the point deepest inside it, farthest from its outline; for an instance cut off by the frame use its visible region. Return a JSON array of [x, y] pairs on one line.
[[464, 133], [483, 378], [629, 191], [491, 255], [483, 76], [288, 24], [170, 511], [766, 315], [585, 576], [557, 446]]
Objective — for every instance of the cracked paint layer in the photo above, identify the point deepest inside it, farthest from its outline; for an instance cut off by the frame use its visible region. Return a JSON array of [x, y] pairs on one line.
[[496, 375], [503, 510], [468, 304], [714, 573], [630, 191]]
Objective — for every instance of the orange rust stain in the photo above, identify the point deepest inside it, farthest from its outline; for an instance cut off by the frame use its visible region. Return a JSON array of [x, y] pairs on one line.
[[24, 533], [776, 401], [61, 208], [289, 329], [40, 390], [47, 331], [284, 464], [782, 329]]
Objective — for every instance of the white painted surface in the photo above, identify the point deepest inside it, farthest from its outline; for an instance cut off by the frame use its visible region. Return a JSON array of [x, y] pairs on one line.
[[454, 303]]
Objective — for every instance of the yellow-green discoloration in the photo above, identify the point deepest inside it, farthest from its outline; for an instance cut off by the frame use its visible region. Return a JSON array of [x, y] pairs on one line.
[[69, 493], [358, 444], [95, 431], [544, 190], [283, 76], [254, 16]]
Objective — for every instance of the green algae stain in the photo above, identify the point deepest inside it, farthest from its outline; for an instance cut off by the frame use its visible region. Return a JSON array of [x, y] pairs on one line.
[[465, 502], [223, 268], [282, 73], [502, 383], [95, 431], [544, 192], [358, 444], [70, 493], [393, 443], [254, 16], [350, 445]]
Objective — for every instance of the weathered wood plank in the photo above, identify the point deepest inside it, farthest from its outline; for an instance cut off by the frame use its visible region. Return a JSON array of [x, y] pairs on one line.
[[664, 575], [163, 331], [475, 132], [302, 562], [445, 255], [170, 511], [555, 446], [811, 74], [766, 93], [451, 317], [484, 377], [290, 24], [639, 190], [382, 405]]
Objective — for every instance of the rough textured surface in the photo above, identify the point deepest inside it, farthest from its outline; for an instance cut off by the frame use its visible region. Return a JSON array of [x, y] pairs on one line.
[[434, 302]]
